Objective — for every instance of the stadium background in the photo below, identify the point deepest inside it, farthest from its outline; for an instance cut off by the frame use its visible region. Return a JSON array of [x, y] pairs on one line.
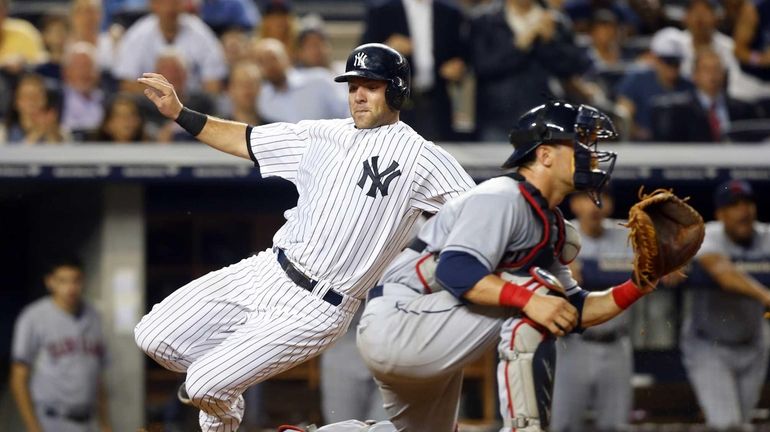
[[147, 219]]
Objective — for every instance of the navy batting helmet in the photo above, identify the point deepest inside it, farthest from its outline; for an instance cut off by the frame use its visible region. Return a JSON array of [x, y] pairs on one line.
[[581, 125], [383, 63]]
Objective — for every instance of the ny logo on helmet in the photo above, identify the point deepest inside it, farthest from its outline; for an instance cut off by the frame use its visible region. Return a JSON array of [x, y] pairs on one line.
[[372, 171], [360, 60]]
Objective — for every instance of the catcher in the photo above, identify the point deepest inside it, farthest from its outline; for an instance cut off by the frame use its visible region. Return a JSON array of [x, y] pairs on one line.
[[493, 262]]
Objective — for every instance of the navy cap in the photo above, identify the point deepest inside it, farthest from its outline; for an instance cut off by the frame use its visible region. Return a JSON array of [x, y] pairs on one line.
[[731, 191], [276, 6]]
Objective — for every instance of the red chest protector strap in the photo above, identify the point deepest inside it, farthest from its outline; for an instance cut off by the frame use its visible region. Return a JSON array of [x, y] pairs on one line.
[[551, 243]]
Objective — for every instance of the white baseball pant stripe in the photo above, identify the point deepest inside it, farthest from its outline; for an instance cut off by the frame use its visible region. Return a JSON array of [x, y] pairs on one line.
[[236, 327]]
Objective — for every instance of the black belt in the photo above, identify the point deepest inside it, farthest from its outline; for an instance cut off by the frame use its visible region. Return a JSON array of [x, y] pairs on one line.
[[74, 416], [417, 245], [332, 297], [606, 338]]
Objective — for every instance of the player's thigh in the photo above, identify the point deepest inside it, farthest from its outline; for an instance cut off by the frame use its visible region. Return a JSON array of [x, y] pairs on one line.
[[713, 382], [752, 378], [203, 308], [425, 335], [613, 386], [422, 405], [572, 384], [268, 343]]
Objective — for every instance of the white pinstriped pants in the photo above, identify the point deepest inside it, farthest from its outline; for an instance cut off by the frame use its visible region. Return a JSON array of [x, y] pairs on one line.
[[235, 327]]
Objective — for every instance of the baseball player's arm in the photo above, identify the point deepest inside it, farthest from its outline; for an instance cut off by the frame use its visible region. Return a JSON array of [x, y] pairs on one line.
[[223, 135], [732, 279], [555, 313], [20, 389], [466, 277]]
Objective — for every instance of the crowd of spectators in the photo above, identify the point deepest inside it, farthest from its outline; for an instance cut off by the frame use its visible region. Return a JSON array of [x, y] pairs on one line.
[[674, 71]]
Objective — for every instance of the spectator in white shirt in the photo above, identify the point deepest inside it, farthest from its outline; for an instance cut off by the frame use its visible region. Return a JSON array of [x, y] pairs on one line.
[[83, 107], [292, 95], [85, 25], [169, 27]]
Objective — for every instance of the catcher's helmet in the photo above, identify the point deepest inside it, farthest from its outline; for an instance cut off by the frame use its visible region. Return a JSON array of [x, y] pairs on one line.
[[558, 121], [383, 63]]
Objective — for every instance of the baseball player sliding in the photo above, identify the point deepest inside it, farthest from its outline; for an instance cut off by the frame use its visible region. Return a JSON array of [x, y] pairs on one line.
[[362, 182]]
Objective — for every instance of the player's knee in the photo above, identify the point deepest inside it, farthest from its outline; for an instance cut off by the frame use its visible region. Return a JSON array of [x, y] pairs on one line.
[[206, 392]]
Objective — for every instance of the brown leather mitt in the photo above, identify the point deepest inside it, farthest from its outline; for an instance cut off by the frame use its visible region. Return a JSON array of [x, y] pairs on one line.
[[665, 233]]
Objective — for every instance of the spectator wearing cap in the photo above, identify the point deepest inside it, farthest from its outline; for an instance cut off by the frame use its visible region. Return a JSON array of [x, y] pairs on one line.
[[703, 114], [169, 27], [430, 34], [582, 12], [700, 21], [724, 338], [640, 87], [279, 22], [221, 15], [752, 37], [291, 95]]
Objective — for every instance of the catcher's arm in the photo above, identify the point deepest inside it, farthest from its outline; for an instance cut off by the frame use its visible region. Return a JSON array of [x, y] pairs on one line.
[[732, 279], [602, 306], [555, 313]]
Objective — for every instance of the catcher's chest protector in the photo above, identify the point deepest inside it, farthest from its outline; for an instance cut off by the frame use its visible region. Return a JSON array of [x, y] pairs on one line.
[[549, 248]]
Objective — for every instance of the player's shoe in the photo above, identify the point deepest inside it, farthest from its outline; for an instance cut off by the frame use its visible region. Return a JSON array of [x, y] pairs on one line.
[[182, 395]]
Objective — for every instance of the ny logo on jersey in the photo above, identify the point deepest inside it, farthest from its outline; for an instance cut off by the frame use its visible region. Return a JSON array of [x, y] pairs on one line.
[[360, 60], [372, 171]]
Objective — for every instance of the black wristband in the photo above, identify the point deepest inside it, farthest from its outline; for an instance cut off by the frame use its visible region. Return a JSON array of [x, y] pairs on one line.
[[191, 121]]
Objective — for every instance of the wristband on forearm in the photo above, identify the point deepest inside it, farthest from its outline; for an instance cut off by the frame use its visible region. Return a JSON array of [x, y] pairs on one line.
[[626, 294], [514, 296], [191, 121]]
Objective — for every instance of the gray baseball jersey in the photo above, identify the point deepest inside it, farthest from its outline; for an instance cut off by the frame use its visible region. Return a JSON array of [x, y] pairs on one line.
[[66, 354], [594, 369], [494, 223], [724, 336], [416, 343]]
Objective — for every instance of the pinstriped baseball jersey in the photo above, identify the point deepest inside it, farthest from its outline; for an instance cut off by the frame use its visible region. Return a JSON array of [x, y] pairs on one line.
[[360, 192]]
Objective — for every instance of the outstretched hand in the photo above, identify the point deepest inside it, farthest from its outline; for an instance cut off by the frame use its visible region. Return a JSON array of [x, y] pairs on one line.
[[162, 94]]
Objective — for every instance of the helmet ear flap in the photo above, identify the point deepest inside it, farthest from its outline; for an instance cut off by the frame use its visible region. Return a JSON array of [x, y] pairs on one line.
[[396, 92]]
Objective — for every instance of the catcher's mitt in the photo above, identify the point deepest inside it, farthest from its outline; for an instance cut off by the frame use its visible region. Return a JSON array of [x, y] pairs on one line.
[[665, 233]]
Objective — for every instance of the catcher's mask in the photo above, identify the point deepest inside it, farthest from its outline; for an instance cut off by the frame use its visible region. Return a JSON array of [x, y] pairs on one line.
[[584, 126]]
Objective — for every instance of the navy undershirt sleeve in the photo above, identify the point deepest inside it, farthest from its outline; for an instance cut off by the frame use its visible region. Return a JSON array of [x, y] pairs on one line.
[[458, 272]]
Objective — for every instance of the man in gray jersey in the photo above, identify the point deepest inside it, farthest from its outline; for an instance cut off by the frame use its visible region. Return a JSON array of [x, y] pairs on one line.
[[724, 337], [603, 354], [362, 183], [430, 315], [58, 357]]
